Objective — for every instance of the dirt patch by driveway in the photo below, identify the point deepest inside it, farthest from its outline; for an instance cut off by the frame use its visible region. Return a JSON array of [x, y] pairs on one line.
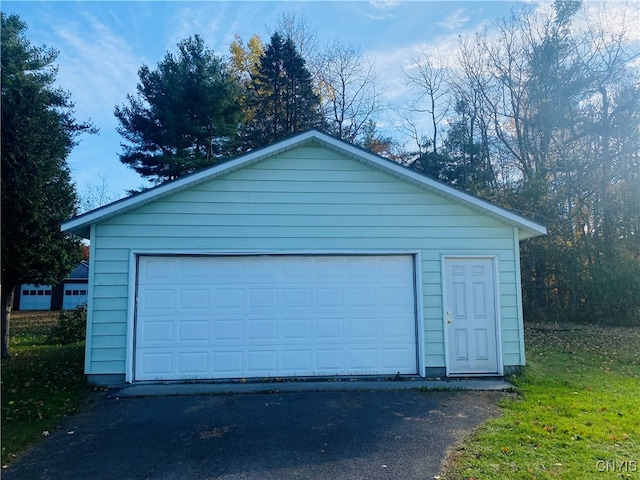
[[308, 435]]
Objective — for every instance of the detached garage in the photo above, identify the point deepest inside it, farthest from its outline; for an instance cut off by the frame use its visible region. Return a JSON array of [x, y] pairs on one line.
[[309, 257]]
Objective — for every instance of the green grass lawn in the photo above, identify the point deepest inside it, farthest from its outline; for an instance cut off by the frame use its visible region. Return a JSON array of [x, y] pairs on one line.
[[40, 383], [576, 414]]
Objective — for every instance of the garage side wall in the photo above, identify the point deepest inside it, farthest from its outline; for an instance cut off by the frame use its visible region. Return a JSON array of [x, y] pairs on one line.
[[307, 200]]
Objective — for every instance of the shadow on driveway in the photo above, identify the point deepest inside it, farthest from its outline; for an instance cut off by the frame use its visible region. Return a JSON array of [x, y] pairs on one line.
[[310, 435]]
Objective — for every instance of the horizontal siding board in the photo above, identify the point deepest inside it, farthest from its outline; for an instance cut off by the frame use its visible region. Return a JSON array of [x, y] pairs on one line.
[[432, 289], [112, 267], [227, 207], [435, 336], [108, 354], [110, 291], [285, 243], [110, 254], [511, 358], [109, 329], [380, 230], [433, 313], [117, 303], [508, 301], [106, 367], [511, 348], [510, 335], [341, 198], [101, 279], [305, 200], [508, 314], [434, 354], [109, 316], [433, 324], [108, 341], [307, 159], [301, 182], [322, 218]]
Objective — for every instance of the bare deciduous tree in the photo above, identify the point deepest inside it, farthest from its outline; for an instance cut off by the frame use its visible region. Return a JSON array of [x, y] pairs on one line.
[[349, 89], [428, 77]]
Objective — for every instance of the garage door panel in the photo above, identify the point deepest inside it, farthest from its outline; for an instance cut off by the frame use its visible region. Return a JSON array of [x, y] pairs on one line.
[[394, 297], [229, 299], [193, 331], [329, 267], [193, 363], [395, 328], [194, 299], [274, 316], [327, 297], [296, 362], [361, 267], [156, 365], [263, 329], [363, 358], [228, 330], [361, 297], [329, 328], [296, 329], [192, 270], [262, 362], [396, 358], [155, 331], [261, 298], [329, 360], [228, 364], [159, 271], [157, 300], [262, 268], [293, 298], [362, 328]]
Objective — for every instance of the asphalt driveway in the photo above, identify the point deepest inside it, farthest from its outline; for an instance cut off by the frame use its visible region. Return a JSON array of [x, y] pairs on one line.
[[307, 435]]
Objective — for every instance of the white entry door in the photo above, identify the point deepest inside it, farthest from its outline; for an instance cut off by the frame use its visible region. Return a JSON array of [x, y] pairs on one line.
[[470, 316], [281, 315]]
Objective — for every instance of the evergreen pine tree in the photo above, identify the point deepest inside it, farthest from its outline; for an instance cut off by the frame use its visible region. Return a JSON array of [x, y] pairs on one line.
[[281, 95], [184, 116]]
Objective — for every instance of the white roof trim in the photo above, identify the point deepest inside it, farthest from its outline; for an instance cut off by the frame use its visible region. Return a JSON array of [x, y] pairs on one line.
[[80, 225]]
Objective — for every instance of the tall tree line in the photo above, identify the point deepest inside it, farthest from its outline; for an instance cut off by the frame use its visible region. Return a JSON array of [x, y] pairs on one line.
[[197, 108], [539, 113], [545, 119]]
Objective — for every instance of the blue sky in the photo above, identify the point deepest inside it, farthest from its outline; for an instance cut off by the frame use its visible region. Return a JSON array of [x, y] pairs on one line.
[[103, 44]]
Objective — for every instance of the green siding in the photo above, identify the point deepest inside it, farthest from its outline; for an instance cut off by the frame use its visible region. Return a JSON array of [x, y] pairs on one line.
[[308, 199]]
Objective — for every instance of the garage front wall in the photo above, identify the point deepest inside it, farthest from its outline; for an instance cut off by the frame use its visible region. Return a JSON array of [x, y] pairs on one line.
[[308, 200]]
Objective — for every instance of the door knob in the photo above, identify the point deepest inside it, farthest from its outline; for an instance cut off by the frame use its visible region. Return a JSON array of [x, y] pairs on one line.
[[448, 320]]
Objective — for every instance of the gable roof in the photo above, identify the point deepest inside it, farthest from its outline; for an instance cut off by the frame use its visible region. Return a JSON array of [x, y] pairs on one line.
[[80, 225], [81, 271]]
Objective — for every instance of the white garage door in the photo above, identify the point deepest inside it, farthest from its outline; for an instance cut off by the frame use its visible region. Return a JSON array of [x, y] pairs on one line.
[[35, 297], [75, 294], [272, 316]]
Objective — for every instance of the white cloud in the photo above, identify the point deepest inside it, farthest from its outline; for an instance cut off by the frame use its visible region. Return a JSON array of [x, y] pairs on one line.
[[384, 4], [456, 20], [97, 65], [99, 68]]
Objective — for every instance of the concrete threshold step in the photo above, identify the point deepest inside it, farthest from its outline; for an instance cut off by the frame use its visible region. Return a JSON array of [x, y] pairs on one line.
[[333, 385]]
